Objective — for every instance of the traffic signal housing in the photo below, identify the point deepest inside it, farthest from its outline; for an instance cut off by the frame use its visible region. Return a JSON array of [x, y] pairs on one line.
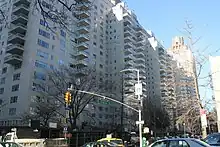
[[68, 97]]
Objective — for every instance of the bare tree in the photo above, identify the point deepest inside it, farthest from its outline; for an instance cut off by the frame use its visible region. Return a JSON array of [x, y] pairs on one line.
[[189, 105], [44, 111], [155, 117], [59, 80]]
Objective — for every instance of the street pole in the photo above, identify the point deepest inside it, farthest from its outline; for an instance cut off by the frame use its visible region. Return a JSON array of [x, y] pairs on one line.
[[138, 93], [122, 107], [140, 107]]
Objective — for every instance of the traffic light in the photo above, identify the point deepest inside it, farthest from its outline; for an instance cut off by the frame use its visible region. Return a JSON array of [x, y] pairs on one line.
[[68, 97]]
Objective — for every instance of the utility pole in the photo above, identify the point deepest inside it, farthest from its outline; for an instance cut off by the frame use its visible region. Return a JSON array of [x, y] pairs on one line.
[[138, 92], [122, 106]]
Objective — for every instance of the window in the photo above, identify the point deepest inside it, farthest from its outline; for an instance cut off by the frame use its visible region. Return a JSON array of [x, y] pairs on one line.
[[160, 144], [44, 33], [14, 99], [39, 76], [43, 23], [17, 66], [1, 90], [101, 66], [40, 64], [16, 76], [101, 53], [15, 88], [43, 43], [46, 5], [62, 33], [12, 111], [4, 70], [2, 81], [42, 54], [62, 44], [61, 62], [178, 143]]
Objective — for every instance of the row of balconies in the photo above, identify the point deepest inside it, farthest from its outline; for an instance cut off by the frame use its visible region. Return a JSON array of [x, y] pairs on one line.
[[17, 31], [83, 14]]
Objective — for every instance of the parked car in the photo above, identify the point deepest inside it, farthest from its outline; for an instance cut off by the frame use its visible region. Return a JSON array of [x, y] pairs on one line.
[[213, 139], [179, 142], [10, 144]]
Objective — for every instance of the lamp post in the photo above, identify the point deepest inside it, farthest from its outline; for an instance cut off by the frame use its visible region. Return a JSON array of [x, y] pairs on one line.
[[138, 92]]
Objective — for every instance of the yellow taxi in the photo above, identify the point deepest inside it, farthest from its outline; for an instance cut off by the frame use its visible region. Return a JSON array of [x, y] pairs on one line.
[[115, 141]]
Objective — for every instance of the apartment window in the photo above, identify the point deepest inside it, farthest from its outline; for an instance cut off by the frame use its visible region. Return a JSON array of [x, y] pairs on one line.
[[94, 55], [14, 99], [15, 88], [42, 22], [62, 44], [42, 54], [53, 47], [62, 33], [46, 5], [39, 76], [44, 33], [101, 66], [2, 90], [94, 43], [4, 70], [43, 43], [100, 108], [60, 62], [2, 81], [17, 66], [12, 111], [101, 53], [95, 7], [40, 64], [16, 76]]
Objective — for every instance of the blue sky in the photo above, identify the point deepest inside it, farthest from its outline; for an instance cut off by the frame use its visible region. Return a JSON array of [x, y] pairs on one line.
[[166, 17]]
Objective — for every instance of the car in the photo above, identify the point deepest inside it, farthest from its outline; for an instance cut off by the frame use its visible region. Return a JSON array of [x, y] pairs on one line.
[[10, 144], [179, 142], [100, 144], [213, 139], [112, 141]]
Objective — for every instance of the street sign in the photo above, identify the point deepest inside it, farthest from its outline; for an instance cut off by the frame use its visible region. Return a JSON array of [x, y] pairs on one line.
[[65, 130], [146, 130], [138, 89], [140, 122], [203, 117]]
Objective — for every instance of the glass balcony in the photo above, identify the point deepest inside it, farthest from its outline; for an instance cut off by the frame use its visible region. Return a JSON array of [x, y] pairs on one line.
[[20, 18], [83, 46], [18, 28], [128, 51], [21, 9], [16, 39], [83, 30], [83, 38], [19, 2], [82, 55], [83, 6], [81, 63], [15, 49], [128, 45], [83, 22], [13, 59], [129, 57], [83, 14]]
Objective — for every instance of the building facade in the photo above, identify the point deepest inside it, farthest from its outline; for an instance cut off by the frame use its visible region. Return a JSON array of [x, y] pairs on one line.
[[186, 90], [107, 37], [215, 75]]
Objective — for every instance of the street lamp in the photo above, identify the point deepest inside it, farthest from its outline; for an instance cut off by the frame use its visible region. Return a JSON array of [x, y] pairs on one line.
[[138, 92]]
